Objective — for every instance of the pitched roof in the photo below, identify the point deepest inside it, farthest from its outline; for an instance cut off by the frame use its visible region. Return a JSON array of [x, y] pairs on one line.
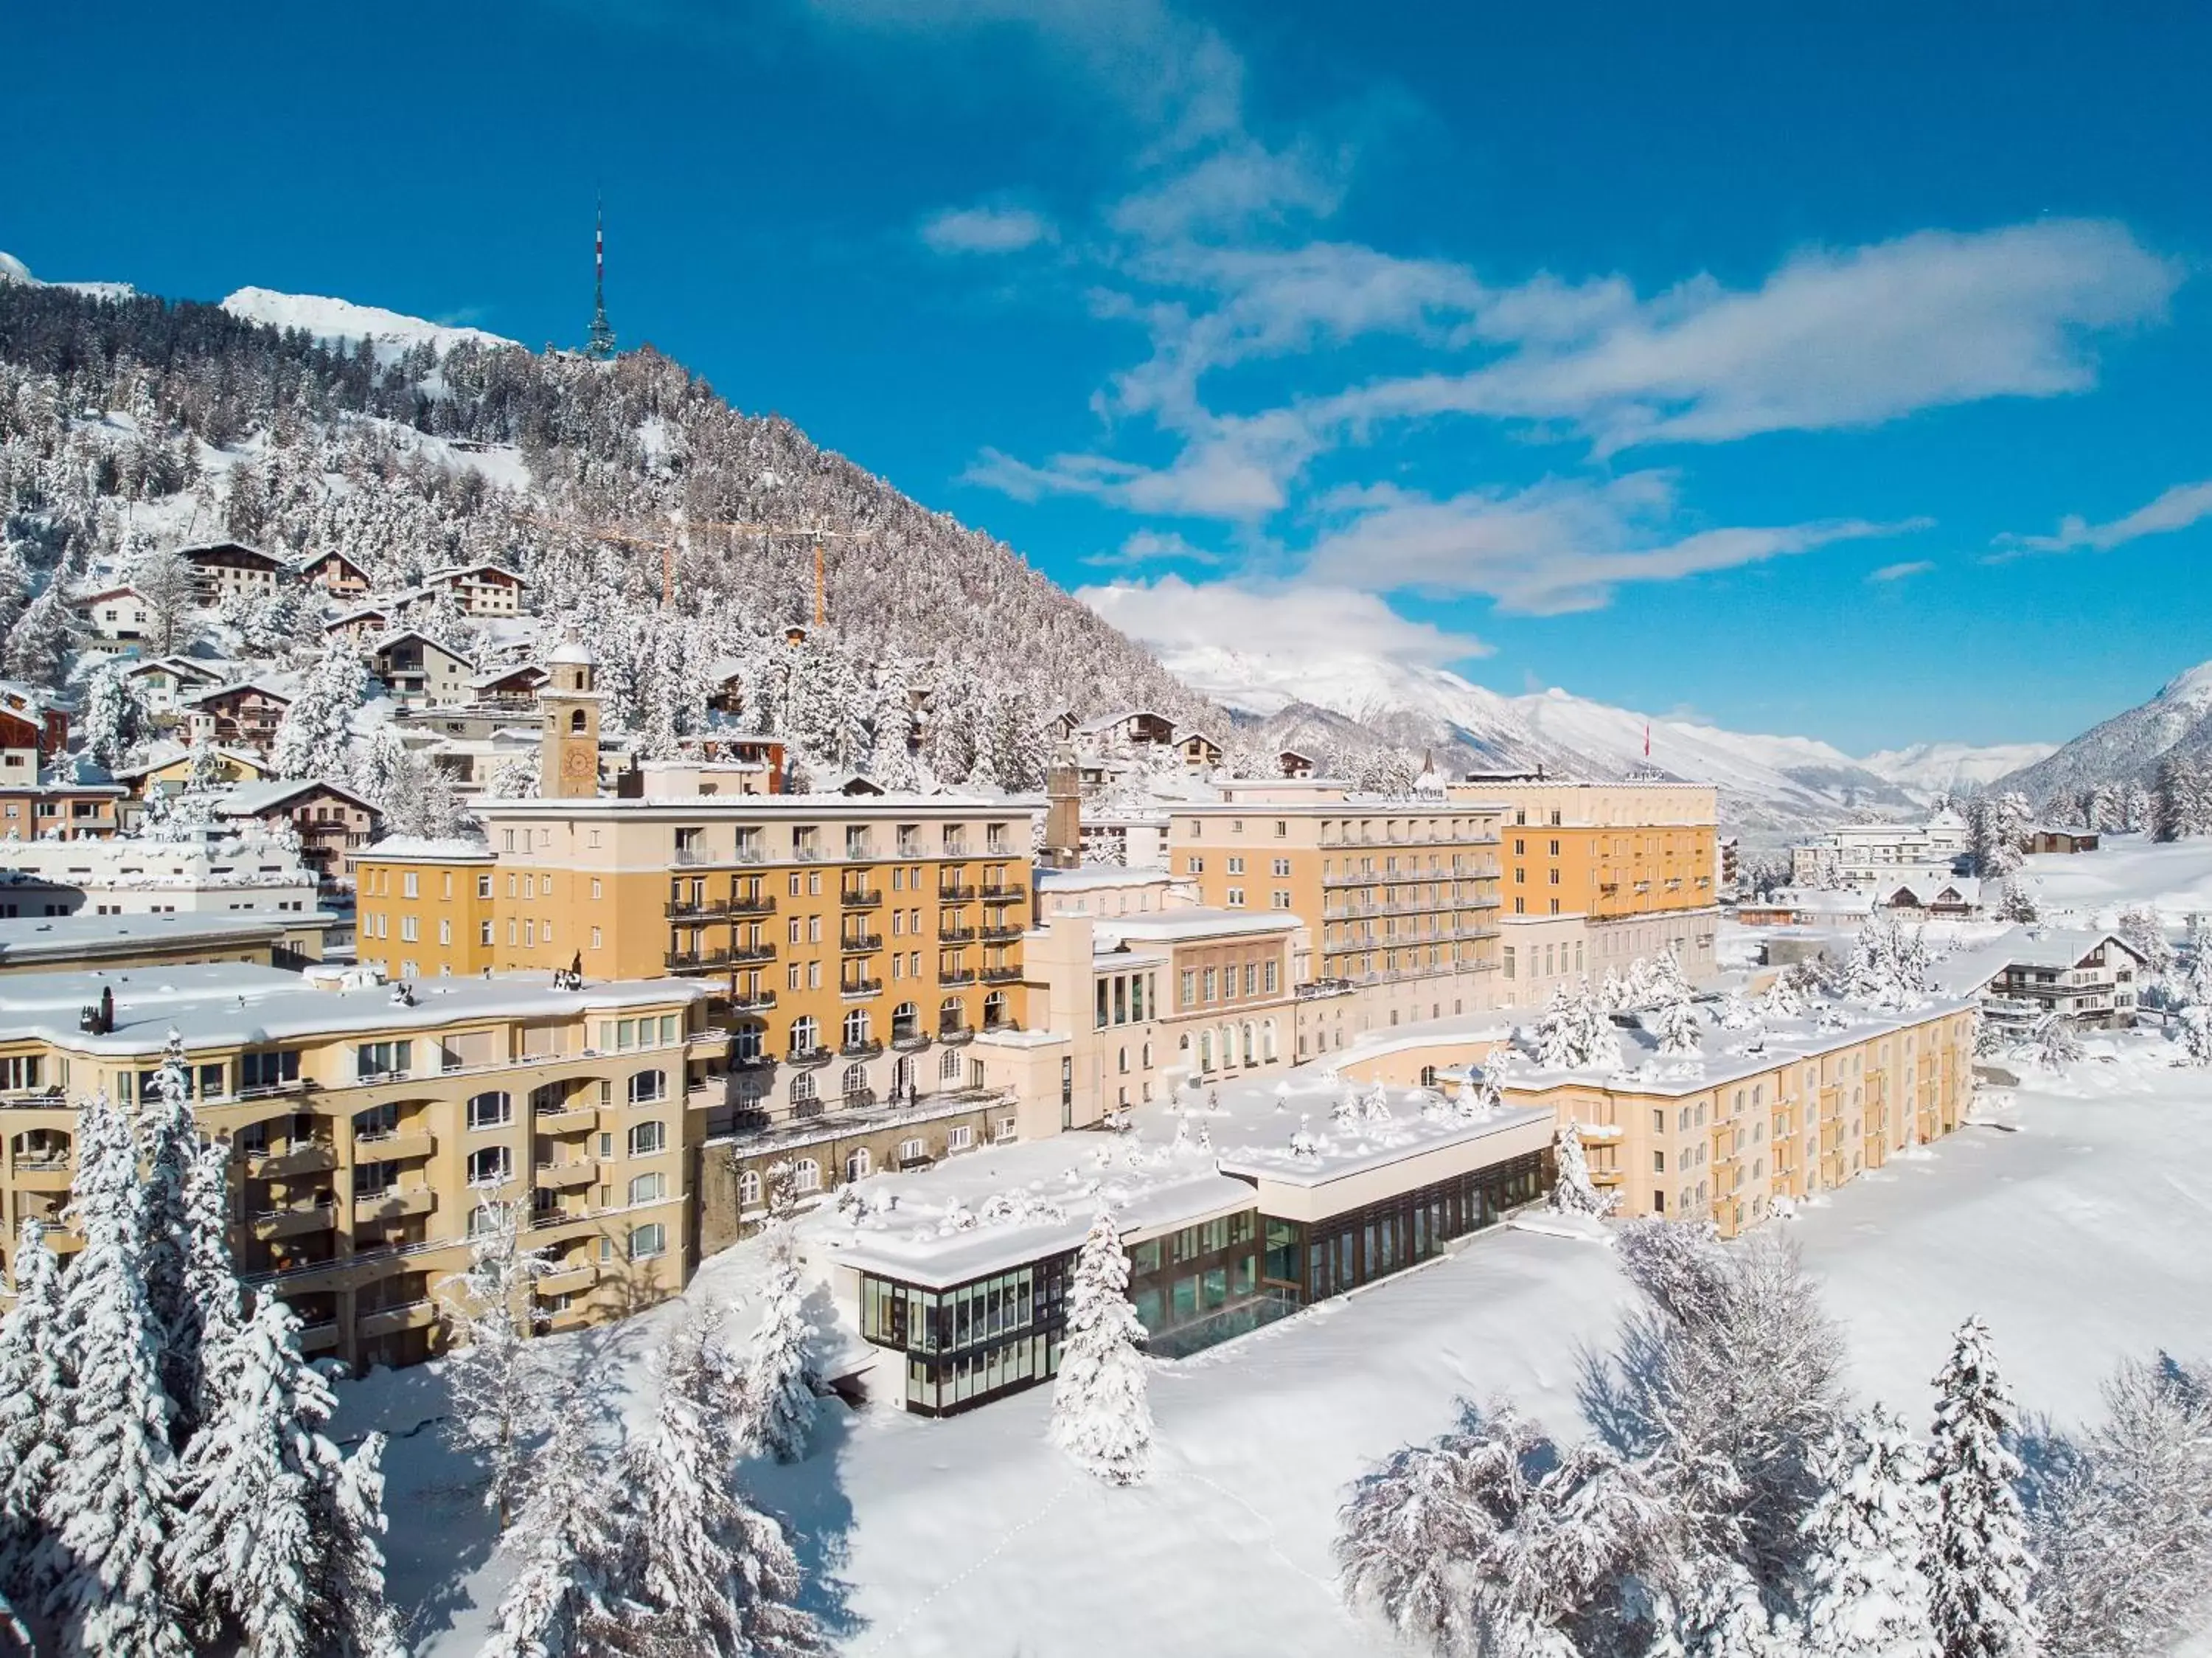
[[251, 800]]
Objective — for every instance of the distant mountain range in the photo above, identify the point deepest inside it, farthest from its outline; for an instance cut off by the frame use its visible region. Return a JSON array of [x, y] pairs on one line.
[[1766, 782], [2127, 747]]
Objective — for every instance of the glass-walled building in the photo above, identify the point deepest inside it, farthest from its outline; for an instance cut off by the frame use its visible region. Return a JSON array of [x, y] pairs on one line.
[[1311, 1261]]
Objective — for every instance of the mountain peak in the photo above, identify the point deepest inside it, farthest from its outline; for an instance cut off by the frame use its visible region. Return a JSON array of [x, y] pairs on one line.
[[334, 322]]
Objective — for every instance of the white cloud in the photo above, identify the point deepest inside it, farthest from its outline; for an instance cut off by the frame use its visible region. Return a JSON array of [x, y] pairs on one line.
[[1900, 572], [1155, 546], [1559, 546], [1237, 468], [985, 229], [2176, 509], [1831, 339], [1174, 617]]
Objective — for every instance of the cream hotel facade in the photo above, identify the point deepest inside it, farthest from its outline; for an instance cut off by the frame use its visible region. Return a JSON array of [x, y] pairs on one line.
[[640, 1016]]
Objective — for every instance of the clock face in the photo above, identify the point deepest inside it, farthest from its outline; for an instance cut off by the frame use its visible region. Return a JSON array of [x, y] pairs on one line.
[[576, 764]]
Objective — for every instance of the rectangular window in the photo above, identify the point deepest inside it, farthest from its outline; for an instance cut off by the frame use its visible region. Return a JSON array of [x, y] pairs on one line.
[[1212, 983], [1189, 986]]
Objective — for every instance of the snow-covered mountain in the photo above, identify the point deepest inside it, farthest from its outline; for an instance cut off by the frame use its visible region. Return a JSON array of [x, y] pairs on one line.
[[2128, 746], [335, 321], [13, 270], [1939, 768], [1765, 782]]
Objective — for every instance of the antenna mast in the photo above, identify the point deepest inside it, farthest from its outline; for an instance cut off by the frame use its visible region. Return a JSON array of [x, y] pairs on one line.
[[601, 345]]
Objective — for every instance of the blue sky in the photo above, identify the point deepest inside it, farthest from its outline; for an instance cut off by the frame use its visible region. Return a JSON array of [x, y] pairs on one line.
[[1836, 369]]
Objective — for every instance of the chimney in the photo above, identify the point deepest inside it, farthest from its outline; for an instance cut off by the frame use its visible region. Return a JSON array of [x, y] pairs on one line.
[[1063, 817]]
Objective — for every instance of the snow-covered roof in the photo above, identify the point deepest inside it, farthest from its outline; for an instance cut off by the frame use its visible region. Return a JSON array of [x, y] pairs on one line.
[[453, 572], [392, 640], [63, 938], [431, 849], [2060, 947], [1198, 922], [184, 667], [573, 653], [1093, 877], [269, 687], [251, 799], [223, 1003]]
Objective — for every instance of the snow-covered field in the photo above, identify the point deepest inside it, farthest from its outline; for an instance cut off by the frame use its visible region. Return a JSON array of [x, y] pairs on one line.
[[2126, 870], [2075, 1230]]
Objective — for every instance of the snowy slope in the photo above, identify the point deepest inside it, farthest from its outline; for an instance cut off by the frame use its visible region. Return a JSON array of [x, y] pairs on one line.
[[335, 320], [14, 270], [1948, 767], [1766, 781], [2128, 746]]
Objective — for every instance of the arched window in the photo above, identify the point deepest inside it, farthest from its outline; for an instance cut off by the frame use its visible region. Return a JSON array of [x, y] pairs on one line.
[[1148, 1056], [647, 1086], [902, 1075], [951, 1014], [1251, 1049], [648, 1189], [749, 1189], [648, 1139], [1205, 1051], [647, 1242], [576, 722], [1125, 1061], [948, 1065], [806, 1034], [806, 1175], [856, 1080], [994, 1010], [906, 1022], [1267, 1041], [1226, 1038], [493, 1110], [856, 1027], [856, 1166], [803, 1090]]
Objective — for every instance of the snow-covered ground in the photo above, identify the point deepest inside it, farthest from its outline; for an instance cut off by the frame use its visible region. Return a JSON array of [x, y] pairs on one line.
[[2126, 870], [2076, 1228]]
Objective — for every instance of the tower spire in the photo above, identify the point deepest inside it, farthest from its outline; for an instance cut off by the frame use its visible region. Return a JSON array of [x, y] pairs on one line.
[[602, 340]]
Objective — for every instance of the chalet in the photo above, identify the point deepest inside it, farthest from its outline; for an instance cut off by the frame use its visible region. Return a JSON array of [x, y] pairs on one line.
[[2027, 975], [1062, 727], [243, 715], [40, 709], [1295, 765], [415, 669], [223, 567], [2063, 840], [1933, 898], [1135, 727], [164, 683], [117, 617], [335, 573], [331, 821], [167, 768], [1200, 752], [480, 590], [358, 626], [514, 688], [725, 686]]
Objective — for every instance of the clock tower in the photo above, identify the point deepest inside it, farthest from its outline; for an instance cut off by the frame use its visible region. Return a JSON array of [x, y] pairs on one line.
[[568, 749]]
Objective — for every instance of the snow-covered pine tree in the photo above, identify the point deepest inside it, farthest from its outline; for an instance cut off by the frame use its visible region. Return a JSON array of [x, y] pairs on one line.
[[211, 1287], [1978, 1566], [244, 1555], [779, 1381], [1100, 1414], [1675, 1023], [351, 1611], [1865, 1596], [167, 1143], [567, 1541], [2194, 1031], [112, 1505], [2018, 904], [111, 721], [707, 1571], [2057, 1043], [494, 1373], [315, 738], [165, 579], [1567, 1029], [33, 1407], [2146, 935], [38, 645], [380, 771], [1573, 1192]]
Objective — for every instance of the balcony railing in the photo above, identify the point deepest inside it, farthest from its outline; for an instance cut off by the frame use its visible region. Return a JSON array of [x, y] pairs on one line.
[[860, 987], [860, 944], [953, 1035], [1012, 894], [910, 1041], [956, 934], [867, 1048], [807, 1057], [750, 956], [998, 935], [859, 897], [956, 975], [308, 1158], [696, 961], [752, 1001], [696, 909], [1002, 975], [956, 894]]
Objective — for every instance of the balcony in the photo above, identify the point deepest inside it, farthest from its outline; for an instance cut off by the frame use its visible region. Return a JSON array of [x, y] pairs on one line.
[[807, 1058], [568, 1115], [567, 1281], [910, 1041], [696, 961], [696, 909], [956, 975], [397, 1147], [393, 1203], [1002, 975], [856, 1099], [1010, 895], [568, 1174], [1004, 934], [392, 1320], [953, 1035], [754, 903], [44, 1172], [859, 987], [956, 934], [319, 1337], [694, 854], [752, 1001], [860, 898], [860, 943], [310, 1158], [294, 1220], [751, 955], [956, 894], [867, 1048]]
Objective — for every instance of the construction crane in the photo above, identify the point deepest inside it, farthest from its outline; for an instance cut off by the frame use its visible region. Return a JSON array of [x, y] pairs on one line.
[[820, 534]]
